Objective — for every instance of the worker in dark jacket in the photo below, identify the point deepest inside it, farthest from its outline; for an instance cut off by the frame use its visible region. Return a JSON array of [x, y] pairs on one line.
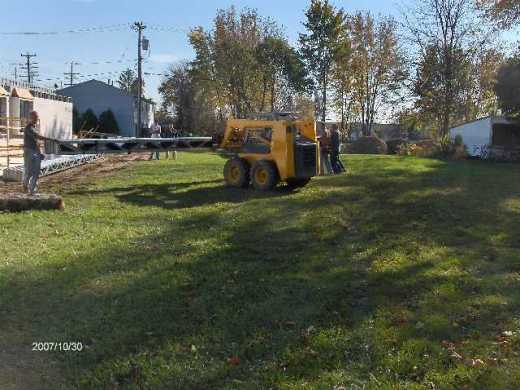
[[335, 143], [31, 155], [324, 141]]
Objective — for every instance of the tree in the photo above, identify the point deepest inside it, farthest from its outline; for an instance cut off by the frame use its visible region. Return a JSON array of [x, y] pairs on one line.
[[282, 69], [187, 101], [90, 120], [128, 82], [506, 12], [108, 122], [378, 66], [322, 45], [508, 88], [342, 83], [447, 36], [243, 65]]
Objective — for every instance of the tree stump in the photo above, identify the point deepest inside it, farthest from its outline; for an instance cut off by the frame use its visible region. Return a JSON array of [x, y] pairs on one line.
[[16, 202]]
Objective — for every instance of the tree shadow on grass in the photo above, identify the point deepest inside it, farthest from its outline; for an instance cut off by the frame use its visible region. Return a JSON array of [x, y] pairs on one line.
[[296, 292], [186, 195]]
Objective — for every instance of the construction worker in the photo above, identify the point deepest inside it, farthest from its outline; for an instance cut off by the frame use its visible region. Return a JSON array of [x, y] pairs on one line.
[[324, 140], [155, 131], [335, 143], [32, 156], [169, 132]]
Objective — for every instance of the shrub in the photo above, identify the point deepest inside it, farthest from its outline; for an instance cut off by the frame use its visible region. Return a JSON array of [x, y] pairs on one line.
[[369, 145], [424, 148], [396, 145], [458, 140]]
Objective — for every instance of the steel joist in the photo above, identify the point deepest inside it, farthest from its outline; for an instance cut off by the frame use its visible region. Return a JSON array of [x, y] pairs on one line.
[[125, 145]]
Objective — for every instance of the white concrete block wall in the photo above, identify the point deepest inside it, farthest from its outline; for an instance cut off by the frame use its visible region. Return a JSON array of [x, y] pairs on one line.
[[55, 117]]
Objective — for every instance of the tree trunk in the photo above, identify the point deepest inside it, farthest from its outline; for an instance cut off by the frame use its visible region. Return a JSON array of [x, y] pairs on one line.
[[273, 100], [324, 103]]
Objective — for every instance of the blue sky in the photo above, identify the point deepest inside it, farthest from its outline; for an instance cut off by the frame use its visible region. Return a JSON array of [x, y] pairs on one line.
[[115, 47], [118, 44]]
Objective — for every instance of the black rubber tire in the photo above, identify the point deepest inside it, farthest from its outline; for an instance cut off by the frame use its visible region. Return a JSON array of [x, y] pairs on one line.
[[295, 183], [264, 175], [236, 173]]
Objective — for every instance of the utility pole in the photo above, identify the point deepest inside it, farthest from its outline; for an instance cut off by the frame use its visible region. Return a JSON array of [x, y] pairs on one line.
[[29, 66], [139, 27], [15, 71], [71, 75]]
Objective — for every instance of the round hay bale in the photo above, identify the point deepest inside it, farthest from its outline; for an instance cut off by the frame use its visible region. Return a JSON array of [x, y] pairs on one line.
[[17, 202]]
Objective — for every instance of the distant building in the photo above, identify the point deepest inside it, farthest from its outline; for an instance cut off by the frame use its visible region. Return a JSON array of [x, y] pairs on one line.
[[496, 135], [99, 97], [387, 132], [18, 99]]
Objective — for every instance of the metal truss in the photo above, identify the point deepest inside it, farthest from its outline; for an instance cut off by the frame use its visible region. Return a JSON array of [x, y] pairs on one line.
[[49, 167], [125, 145]]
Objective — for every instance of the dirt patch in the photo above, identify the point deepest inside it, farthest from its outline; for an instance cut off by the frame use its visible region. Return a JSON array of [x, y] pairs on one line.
[[24, 369], [66, 180]]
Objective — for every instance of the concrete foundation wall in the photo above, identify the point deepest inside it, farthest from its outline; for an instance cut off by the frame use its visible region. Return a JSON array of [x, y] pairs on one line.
[[55, 118]]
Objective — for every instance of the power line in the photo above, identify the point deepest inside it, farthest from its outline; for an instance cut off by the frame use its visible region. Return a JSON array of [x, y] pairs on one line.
[[112, 28], [100, 29]]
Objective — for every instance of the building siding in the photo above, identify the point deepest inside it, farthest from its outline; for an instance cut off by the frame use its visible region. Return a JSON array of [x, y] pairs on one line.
[[99, 97]]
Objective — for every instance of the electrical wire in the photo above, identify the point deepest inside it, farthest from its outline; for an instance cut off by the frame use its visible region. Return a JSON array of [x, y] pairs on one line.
[[100, 29], [112, 28]]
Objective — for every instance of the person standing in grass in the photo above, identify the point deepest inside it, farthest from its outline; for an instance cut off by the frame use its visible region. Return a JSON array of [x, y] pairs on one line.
[[335, 143], [155, 133], [324, 140], [169, 132], [32, 156]]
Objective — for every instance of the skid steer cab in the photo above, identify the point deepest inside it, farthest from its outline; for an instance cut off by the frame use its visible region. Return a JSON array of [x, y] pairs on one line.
[[265, 153]]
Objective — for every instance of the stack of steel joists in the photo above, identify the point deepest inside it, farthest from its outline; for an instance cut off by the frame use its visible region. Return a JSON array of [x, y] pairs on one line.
[[48, 167]]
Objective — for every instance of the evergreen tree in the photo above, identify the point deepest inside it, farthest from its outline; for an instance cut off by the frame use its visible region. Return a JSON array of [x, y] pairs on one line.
[[90, 120], [108, 123]]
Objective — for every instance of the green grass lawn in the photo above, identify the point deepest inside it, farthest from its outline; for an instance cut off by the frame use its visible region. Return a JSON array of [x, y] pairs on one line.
[[405, 273]]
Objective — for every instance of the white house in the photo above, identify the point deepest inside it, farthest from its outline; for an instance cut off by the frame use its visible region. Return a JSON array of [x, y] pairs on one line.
[[495, 135], [99, 97]]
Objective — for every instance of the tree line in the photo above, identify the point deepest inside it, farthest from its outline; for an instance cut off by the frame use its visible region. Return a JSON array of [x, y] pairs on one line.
[[437, 65]]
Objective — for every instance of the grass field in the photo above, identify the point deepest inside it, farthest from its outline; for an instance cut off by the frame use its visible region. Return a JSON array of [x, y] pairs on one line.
[[405, 273]]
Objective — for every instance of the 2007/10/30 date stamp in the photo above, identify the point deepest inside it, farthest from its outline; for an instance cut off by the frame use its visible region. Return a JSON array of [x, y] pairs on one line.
[[49, 346]]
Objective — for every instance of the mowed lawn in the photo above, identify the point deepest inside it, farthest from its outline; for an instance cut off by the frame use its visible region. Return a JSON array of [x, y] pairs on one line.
[[405, 273]]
